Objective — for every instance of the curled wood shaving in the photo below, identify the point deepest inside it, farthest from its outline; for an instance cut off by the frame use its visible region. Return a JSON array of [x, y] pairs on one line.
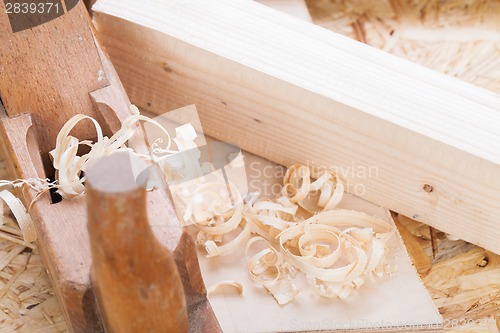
[[69, 166], [270, 218], [21, 215], [219, 286], [217, 213], [268, 268], [67, 163], [324, 193]]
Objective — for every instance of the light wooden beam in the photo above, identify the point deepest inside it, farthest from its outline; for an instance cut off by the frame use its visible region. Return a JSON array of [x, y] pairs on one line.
[[403, 136]]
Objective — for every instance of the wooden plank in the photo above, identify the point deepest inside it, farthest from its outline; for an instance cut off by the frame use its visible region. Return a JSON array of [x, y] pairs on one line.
[[403, 136]]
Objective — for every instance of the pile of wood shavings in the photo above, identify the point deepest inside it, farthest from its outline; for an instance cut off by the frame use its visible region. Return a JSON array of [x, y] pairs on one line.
[[299, 230], [313, 242]]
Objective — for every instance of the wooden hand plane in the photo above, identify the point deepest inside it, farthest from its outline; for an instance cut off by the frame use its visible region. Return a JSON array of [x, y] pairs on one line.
[[49, 73]]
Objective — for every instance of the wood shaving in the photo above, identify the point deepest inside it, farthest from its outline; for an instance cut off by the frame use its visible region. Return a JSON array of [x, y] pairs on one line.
[[21, 215], [69, 166], [224, 285], [215, 212], [299, 188], [268, 268]]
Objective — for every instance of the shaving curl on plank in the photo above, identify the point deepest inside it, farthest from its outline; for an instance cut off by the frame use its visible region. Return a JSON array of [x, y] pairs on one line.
[[316, 245], [268, 268]]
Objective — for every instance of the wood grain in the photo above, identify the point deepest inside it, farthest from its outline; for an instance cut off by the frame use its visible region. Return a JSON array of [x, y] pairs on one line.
[[293, 92]]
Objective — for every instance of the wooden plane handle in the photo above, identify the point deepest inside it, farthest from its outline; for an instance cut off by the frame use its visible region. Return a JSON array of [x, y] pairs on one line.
[[137, 284]]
